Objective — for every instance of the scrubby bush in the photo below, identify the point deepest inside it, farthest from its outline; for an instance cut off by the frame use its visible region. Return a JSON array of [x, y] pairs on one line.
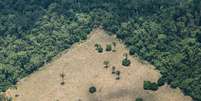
[[99, 49], [126, 61], [92, 89], [118, 78], [113, 69], [108, 47], [118, 72], [150, 85], [139, 99], [106, 64], [62, 75], [118, 75]]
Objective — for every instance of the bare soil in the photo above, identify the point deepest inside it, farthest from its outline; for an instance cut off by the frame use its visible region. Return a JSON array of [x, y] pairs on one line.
[[83, 67]]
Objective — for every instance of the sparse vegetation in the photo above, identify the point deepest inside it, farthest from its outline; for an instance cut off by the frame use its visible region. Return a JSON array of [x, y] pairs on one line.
[[114, 45], [117, 78], [118, 72], [139, 99], [99, 48], [106, 64], [166, 33], [150, 85], [62, 75], [113, 70], [126, 61], [118, 75], [108, 47], [92, 89]]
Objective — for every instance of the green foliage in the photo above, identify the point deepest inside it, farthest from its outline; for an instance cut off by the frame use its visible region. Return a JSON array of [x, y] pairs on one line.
[[139, 99], [99, 48], [161, 81], [108, 47], [150, 86], [92, 89], [126, 62], [106, 64]]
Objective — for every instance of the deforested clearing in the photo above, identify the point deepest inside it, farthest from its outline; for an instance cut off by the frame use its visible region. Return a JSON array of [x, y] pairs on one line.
[[82, 67]]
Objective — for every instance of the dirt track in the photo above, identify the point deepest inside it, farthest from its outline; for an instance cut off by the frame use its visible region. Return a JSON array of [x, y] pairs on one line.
[[83, 67]]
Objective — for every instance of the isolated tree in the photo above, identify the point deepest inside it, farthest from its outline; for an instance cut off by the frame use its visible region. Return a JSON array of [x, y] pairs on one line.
[[92, 89], [126, 61]]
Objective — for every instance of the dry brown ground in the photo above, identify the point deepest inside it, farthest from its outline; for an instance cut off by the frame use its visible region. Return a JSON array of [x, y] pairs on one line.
[[83, 67]]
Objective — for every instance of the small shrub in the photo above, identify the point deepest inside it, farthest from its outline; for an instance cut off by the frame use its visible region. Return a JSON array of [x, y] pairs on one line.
[[62, 83], [62, 75], [92, 89], [150, 86], [99, 48], [139, 99], [113, 69], [118, 73], [106, 63], [126, 62], [118, 78], [108, 47]]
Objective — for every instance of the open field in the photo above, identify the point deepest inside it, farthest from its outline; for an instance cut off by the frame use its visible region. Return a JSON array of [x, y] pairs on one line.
[[83, 67]]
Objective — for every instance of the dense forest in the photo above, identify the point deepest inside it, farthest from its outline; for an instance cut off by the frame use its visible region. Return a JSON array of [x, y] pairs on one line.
[[166, 33]]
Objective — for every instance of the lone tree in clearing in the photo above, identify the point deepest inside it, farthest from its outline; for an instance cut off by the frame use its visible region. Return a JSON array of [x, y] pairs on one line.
[[106, 63], [126, 61], [62, 75], [92, 89]]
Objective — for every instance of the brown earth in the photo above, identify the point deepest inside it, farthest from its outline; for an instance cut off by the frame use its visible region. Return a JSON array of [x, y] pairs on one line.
[[83, 67]]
